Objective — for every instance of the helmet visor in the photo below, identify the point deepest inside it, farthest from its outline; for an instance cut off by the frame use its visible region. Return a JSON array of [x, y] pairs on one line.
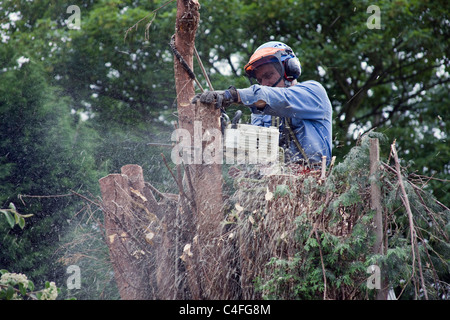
[[262, 57], [267, 74]]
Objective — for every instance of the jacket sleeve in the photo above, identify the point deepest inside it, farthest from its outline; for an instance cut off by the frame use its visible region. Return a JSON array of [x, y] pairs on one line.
[[262, 120], [307, 100]]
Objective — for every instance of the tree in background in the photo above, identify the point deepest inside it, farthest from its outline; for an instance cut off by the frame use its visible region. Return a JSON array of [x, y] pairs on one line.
[[62, 130], [45, 150]]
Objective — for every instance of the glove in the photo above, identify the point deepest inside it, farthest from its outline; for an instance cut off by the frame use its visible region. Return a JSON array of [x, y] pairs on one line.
[[221, 99]]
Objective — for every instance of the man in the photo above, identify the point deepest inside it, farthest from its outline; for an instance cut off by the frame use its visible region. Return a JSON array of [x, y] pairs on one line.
[[302, 111]]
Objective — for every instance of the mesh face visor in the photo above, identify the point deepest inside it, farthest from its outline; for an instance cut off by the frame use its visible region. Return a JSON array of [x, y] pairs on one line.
[[264, 56], [268, 78]]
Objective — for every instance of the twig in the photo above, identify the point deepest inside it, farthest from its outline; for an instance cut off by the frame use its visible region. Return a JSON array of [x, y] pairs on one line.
[[28, 294], [180, 187], [148, 25], [147, 28], [429, 178], [203, 69], [405, 201], [324, 168], [323, 267], [333, 159], [159, 193], [417, 190], [21, 196], [85, 198]]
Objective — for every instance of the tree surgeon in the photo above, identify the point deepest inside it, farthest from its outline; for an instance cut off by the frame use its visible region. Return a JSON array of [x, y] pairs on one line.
[[301, 110]]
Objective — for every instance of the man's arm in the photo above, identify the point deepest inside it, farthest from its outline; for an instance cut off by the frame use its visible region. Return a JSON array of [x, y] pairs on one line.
[[306, 100]]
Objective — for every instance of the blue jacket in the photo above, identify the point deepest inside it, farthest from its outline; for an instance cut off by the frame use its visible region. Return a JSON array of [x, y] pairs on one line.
[[309, 108]]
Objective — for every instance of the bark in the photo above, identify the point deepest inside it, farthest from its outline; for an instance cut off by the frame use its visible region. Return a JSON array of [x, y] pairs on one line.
[[203, 178], [129, 255], [375, 194], [185, 28], [180, 240]]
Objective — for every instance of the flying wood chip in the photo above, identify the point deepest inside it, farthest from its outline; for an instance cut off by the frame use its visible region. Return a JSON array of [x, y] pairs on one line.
[[112, 237], [269, 195], [139, 194]]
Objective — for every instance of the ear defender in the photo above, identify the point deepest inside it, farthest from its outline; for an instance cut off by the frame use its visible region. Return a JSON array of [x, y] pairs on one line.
[[292, 68]]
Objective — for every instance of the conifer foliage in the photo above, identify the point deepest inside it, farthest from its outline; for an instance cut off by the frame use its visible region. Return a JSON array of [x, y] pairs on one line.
[[302, 237]]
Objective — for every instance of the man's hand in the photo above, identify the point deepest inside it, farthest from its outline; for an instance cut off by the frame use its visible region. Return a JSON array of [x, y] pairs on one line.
[[221, 99]]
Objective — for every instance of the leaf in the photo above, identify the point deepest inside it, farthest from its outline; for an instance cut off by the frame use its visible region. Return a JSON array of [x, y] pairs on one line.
[[9, 293], [22, 289], [112, 237], [30, 285], [9, 218], [186, 252], [12, 206], [16, 217], [282, 190], [149, 237], [21, 222], [311, 242]]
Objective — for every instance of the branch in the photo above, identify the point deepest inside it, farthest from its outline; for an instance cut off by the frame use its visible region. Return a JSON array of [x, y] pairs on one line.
[[84, 198], [405, 201], [180, 187], [135, 26]]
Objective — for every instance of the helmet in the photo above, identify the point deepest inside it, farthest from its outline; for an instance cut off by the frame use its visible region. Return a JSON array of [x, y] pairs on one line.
[[272, 52]]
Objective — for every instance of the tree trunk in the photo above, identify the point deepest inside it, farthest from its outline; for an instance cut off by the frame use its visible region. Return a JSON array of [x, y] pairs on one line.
[[168, 251], [375, 194], [185, 29], [204, 173], [125, 216]]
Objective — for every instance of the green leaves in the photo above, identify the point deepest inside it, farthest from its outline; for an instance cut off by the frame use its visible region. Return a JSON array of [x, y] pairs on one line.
[[9, 217], [337, 256], [16, 286], [282, 190], [13, 217]]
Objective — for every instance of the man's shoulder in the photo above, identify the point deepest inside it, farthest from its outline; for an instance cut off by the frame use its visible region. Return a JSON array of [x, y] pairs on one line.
[[310, 84]]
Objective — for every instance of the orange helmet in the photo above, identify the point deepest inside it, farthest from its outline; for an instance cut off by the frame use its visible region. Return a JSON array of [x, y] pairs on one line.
[[275, 52]]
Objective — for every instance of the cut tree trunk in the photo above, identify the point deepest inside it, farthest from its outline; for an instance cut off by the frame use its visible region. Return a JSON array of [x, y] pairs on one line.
[[204, 175], [185, 28], [125, 215], [375, 194], [171, 249]]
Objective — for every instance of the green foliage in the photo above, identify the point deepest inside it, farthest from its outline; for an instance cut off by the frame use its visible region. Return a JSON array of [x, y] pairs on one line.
[[282, 190], [48, 148], [16, 286], [13, 217], [330, 265], [46, 152]]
